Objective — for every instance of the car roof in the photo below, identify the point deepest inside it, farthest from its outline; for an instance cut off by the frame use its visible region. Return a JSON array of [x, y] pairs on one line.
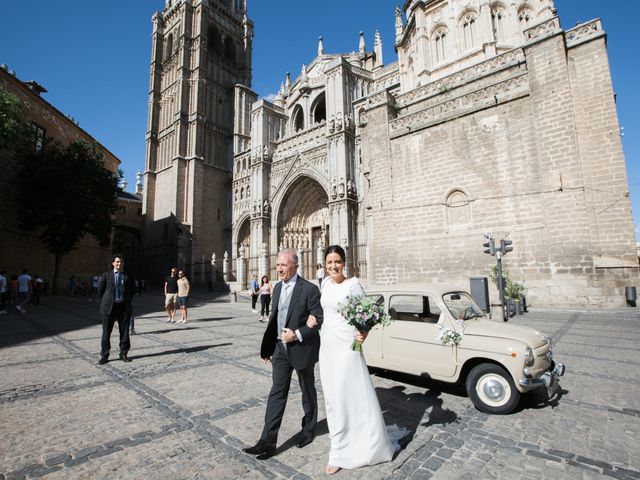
[[418, 288]]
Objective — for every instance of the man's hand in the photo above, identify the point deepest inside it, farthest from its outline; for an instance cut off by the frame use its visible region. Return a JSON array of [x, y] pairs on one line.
[[288, 335], [266, 360], [312, 322]]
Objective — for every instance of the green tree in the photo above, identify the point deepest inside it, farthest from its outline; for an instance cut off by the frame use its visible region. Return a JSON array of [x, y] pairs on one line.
[[65, 192], [15, 136], [11, 118]]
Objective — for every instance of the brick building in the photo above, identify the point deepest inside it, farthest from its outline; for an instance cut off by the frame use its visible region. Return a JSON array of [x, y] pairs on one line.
[[21, 248], [492, 119]]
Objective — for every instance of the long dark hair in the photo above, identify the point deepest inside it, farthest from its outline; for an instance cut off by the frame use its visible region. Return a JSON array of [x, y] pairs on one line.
[[262, 282], [335, 249]]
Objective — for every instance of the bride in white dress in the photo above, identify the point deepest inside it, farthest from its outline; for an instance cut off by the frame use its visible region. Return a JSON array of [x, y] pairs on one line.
[[356, 426]]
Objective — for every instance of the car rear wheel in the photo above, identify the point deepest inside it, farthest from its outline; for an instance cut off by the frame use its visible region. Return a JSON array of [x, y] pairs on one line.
[[491, 389]]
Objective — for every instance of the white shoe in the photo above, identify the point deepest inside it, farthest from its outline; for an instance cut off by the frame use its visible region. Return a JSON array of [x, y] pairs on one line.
[[3, 312], [181, 321], [255, 311]]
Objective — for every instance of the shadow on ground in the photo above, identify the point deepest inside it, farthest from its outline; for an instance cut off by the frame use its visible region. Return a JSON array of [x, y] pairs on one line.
[[56, 315], [199, 348]]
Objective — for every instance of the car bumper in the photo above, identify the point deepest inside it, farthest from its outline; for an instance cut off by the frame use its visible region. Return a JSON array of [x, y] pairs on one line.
[[548, 379]]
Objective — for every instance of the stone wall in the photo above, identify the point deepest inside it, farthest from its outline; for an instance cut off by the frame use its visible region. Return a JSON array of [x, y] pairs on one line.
[[521, 151]]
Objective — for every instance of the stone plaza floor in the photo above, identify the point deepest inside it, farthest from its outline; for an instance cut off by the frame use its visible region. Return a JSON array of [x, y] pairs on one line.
[[195, 394]]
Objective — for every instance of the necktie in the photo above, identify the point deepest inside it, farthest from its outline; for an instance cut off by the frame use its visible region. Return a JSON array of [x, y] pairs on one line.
[[118, 287], [283, 306]]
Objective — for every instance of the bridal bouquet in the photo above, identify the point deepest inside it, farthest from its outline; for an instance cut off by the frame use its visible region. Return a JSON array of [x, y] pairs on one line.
[[363, 313]]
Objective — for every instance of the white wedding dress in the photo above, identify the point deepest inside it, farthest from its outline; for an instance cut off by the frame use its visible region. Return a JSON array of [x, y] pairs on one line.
[[356, 426]]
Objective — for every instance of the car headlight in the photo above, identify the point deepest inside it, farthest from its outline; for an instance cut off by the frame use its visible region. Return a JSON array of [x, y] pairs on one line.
[[529, 359]]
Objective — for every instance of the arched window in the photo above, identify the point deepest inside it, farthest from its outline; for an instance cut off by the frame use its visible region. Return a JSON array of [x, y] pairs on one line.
[[469, 32], [439, 45], [229, 50], [525, 16], [497, 22], [214, 41], [298, 119], [168, 48], [319, 109], [457, 206], [409, 82]]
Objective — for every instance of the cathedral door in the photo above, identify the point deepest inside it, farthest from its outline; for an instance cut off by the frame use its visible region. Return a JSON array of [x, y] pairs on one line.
[[303, 213]]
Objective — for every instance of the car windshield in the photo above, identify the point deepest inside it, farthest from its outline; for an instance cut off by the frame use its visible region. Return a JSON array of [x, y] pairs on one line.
[[461, 305]]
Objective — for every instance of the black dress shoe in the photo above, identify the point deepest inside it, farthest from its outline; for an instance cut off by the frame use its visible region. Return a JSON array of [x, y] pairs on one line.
[[303, 441], [261, 448], [124, 358], [103, 360]]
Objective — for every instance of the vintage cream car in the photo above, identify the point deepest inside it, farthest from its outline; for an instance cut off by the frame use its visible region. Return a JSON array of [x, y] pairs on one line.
[[496, 361]]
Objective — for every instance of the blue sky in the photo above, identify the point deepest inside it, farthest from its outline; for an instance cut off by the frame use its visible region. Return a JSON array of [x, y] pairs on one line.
[[93, 57]]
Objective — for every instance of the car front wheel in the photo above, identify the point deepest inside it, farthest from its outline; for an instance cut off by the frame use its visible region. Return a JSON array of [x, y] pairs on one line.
[[491, 389]]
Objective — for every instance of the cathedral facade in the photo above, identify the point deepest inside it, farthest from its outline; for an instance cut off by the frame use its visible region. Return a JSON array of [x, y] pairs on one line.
[[492, 120]]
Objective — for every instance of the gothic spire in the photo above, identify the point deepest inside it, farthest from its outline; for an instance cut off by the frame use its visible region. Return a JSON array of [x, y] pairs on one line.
[[377, 49], [398, 23]]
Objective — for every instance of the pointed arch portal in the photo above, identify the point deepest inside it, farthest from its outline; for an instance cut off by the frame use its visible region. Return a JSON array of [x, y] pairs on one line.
[[303, 219]]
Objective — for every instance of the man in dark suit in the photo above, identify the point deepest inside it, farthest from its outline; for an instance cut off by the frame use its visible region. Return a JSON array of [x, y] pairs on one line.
[[290, 345], [116, 289]]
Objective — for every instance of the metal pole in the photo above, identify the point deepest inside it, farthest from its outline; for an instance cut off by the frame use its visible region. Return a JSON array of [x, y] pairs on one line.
[[505, 310]]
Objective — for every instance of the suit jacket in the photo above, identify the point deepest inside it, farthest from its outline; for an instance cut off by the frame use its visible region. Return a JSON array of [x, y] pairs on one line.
[[107, 289], [305, 300]]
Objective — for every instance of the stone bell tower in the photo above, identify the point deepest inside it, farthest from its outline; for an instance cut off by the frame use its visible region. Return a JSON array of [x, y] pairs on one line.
[[200, 50]]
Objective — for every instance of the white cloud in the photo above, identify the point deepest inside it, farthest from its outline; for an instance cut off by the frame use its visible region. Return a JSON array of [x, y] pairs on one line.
[[271, 97]]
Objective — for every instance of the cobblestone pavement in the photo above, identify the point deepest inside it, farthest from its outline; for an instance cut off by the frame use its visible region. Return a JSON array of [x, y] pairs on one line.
[[195, 394]]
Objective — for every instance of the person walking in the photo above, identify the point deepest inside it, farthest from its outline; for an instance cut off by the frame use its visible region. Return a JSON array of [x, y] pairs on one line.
[[3, 292], [171, 294], [73, 284], [319, 274], [289, 344], [183, 296], [94, 288], [116, 290], [254, 289], [357, 430], [13, 290], [25, 290], [36, 287], [265, 298], [132, 327]]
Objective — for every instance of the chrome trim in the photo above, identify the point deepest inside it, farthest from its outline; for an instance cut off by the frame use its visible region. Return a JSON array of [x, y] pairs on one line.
[[529, 356], [547, 379]]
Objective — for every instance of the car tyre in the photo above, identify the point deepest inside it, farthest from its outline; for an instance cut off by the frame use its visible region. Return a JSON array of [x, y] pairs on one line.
[[491, 389]]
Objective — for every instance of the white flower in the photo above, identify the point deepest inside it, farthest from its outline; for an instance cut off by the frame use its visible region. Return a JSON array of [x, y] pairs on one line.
[[447, 336]]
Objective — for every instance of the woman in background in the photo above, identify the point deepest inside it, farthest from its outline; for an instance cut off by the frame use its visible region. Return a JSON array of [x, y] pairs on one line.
[[266, 289]]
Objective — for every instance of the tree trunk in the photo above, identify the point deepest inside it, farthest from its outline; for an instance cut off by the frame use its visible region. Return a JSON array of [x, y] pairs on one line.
[[56, 271]]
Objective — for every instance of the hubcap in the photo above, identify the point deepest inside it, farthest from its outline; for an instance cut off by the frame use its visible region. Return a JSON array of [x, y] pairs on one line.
[[493, 390]]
